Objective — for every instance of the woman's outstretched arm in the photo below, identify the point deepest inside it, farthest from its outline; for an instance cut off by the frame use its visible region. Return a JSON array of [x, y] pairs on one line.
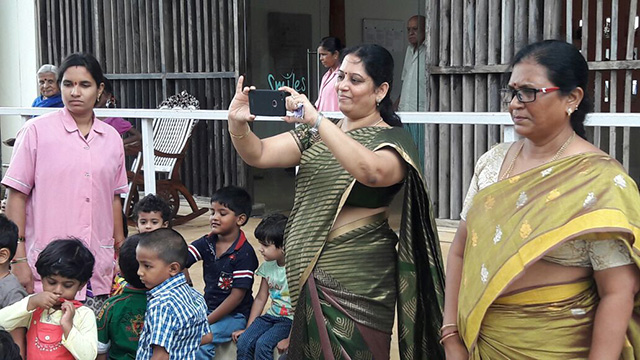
[[379, 168], [276, 151]]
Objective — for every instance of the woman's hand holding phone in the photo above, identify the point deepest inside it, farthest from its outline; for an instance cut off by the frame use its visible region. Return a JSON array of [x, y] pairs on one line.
[[310, 114], [239, 111]]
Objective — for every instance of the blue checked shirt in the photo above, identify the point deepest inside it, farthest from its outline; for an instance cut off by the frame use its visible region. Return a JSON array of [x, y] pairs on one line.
[[176, 319]]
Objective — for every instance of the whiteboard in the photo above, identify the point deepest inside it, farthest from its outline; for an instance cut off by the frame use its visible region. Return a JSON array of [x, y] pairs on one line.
[[387, 33], [391, 34]]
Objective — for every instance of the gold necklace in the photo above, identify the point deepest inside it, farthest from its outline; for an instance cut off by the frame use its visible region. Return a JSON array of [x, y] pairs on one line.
[[554, 158], [342, 123]]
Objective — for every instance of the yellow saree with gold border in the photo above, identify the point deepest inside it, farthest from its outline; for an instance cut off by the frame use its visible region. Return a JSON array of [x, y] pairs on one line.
[[516, 222]]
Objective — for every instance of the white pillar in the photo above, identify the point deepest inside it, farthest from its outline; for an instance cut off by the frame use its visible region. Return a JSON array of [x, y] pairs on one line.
[[18, 63]]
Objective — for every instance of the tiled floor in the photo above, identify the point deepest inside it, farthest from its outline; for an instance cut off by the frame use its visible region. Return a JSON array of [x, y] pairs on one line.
[[200, 226]]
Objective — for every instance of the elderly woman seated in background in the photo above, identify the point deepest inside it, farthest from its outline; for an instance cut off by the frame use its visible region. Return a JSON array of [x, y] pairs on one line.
[[49, 89], [49, 95]]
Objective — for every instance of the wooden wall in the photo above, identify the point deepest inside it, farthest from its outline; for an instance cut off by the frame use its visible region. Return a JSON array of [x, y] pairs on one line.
[[152, 49], [470, 46]]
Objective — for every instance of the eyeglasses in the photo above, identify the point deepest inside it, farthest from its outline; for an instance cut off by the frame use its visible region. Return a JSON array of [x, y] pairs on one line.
[[524, 95]]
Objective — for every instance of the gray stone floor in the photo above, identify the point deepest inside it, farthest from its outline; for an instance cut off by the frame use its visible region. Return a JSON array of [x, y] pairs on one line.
[[200, 226]]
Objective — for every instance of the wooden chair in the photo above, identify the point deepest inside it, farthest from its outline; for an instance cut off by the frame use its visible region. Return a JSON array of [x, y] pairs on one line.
[[170, 141]]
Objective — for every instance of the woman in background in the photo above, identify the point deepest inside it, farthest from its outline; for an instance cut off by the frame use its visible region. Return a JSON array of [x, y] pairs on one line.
[[65, 179], [329, 53], [108, 100]]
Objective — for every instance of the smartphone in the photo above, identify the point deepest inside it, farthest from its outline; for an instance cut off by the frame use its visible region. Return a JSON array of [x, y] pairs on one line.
[[267, 102]]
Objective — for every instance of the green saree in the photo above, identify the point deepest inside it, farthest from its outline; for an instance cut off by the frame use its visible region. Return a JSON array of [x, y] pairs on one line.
[[516, 222], [345, 283]]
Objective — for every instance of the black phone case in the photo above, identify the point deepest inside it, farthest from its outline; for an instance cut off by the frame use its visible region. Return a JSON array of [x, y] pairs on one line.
[[267, 102]]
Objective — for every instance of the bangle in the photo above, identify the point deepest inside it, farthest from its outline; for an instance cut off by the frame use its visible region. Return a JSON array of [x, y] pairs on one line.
[[446, 326], [20, 239], [316, 126], [240, 136], [450, 335], [18, 260]]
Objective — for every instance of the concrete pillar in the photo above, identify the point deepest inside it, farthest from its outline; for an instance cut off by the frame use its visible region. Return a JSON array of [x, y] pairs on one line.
[[18, 64]]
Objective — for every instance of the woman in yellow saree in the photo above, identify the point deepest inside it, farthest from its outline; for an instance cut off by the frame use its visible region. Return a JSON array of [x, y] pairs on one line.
[[545, 263], [344, 273]]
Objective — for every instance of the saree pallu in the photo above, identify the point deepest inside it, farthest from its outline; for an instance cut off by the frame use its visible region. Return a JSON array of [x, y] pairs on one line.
[[514, 223], [344, 284]]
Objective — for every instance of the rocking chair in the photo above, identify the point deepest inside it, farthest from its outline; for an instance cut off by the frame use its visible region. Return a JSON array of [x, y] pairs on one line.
[[170, 141]]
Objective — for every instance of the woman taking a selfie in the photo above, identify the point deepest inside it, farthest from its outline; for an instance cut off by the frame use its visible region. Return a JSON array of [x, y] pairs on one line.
[[339, 245]]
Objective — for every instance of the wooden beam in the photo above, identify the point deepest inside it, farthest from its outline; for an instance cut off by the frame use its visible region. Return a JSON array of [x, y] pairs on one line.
[[504, 68], [467, 70], [336, 20]]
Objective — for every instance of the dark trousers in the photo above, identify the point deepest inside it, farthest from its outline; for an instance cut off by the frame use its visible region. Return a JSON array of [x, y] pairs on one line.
[[262, 336]]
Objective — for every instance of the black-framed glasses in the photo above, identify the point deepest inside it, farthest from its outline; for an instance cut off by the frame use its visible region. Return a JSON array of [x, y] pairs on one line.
[[524, 95]]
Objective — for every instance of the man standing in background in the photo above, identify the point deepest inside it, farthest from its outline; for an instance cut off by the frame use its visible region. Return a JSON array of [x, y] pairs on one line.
[[413, 94], [414, 82]]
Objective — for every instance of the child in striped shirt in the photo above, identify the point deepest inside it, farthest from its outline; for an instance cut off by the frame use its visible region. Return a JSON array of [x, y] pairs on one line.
[[175, 322]]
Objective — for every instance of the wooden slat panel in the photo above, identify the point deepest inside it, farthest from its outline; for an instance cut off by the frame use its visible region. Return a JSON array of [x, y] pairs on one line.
[[613, 81], [455, 185], [444, 138], [190, 29], [432, 42], [493, 57], [222, 28], [597, 132], [552, 19], [521, 28], [77, 17], [481, 58], [136, 48], [44, 38], [626, 136], [468, 89], [128, 36], [65, 28], [182, 44], [122, 38], [507, 22], [534, 31], [153, 37], [199, 36]]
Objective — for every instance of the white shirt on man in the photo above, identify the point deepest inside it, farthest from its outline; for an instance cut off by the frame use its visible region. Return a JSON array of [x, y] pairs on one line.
[[413, 96]]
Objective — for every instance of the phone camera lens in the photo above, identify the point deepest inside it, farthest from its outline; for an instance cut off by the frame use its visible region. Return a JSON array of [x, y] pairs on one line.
[[274, 103]]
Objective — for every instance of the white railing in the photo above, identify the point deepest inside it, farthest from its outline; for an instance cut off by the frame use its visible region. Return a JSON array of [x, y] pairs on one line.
[[454, 118]]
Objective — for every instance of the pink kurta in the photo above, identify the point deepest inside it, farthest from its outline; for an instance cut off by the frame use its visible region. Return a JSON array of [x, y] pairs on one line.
[[328, 96], [70, 182]]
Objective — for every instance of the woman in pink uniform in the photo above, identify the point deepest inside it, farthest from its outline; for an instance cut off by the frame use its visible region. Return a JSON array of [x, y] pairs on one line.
[[65, 177], [329, 53]]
